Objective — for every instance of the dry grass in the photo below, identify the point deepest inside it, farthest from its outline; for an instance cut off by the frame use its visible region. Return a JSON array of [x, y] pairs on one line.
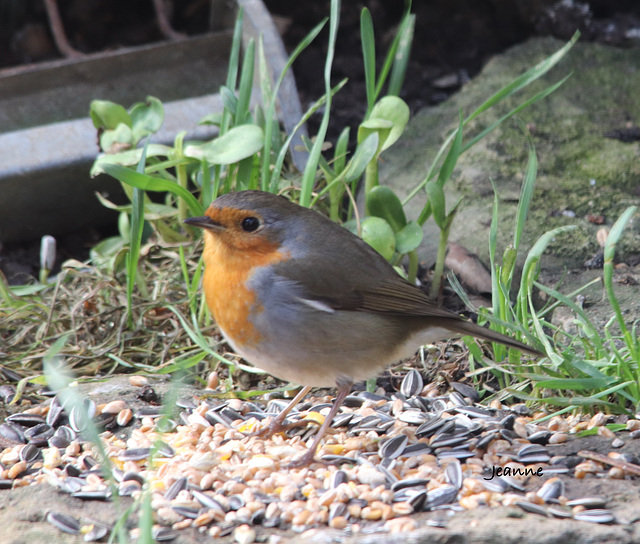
[[89, 306]]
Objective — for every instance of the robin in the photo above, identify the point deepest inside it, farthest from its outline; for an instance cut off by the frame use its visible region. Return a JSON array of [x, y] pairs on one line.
[[307, 301]]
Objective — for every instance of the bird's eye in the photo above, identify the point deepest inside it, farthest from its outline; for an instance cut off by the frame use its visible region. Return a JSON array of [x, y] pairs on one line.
[[249, 224]]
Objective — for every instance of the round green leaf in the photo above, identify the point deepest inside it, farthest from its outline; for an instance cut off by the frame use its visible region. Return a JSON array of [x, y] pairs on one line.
[[409, 238], [146, 117], [381, 126], [379, 235], [116, 139], [383, 202], [396, 111], [107, 114], [237, 144]]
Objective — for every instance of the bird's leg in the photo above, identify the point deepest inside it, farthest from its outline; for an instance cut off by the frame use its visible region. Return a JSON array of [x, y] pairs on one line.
[[277, 425], [307, 458]]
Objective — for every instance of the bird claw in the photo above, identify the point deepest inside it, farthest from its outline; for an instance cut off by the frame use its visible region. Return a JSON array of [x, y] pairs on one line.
[[276, 427], [303, 461]]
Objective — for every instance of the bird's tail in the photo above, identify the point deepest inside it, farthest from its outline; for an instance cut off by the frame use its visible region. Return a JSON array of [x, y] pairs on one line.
[[471, 329]]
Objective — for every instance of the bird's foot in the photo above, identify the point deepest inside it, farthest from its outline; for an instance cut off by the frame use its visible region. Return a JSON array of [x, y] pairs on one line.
[[276, 427]]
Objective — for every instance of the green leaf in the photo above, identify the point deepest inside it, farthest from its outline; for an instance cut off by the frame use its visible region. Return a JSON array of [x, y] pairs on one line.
[[212, 119], [409, 238], [368, 42], [117, 138], [383, 202], [381, 126], [151, 183], [129, 157], [108, 115], [436, 198], [402, 54], [152, 211], [396, 111], [380, 236], [575, 383], [452, 156], [237, 144], [146, 117], [365, 153]]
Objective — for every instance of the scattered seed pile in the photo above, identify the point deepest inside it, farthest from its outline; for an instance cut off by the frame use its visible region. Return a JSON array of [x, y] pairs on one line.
[[390, 455]]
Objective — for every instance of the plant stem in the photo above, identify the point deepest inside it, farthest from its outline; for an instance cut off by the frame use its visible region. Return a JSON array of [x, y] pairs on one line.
[[370, 179], [439, 266]]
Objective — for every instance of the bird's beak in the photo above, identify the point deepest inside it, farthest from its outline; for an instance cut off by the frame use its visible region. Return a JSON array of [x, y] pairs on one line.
[[204, 222]]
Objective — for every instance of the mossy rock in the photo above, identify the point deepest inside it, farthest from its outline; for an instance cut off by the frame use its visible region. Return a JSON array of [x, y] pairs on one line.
[[582, 172]]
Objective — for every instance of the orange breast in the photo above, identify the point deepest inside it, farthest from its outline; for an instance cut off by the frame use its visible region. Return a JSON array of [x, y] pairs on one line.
[[227, 271]]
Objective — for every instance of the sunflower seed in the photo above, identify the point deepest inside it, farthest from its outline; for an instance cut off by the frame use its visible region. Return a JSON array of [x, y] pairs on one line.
[[127, 489], [461, 453], [486, 440], [457, 399], [513, 482], [97, 532], [175, 488], [465, 390], [132, 476], [134, 454], [64, 523], [236, 502], [445, 494], [186, 403], [448, 441], [342, 420], [55, 412], [373, 397], [507, 422], [164, 449], [508, 435], [588, 502], [13, 432], [71, 484], [453, 474], [40, 434], [419, 448], [496, 485], [163, 534], [430, 427], [412, 416], [166, 424], [337, 478], [408, 483], [558, 512], [351, 401], [337, 509], [207, 501], [188, 512], [474, 411], [393, 447], [93, 495], [418, 500], [148, 411], [533, 453], [7, 393], [540, 437], [532, 508], [214, 416], [30, 453], [551, 489], [595, 516], [412, 384], [446, 429], [26, 420]]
